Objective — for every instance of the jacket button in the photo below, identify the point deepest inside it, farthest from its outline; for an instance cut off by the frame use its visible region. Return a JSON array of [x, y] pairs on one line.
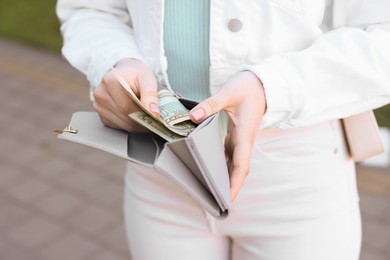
[[234, 25]]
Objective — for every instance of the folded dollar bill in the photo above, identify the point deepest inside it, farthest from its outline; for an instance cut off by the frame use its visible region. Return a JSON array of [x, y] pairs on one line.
[[174, 121]]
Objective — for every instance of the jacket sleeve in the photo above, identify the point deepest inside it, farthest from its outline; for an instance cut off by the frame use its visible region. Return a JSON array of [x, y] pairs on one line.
[[96, 34], [344, 72]]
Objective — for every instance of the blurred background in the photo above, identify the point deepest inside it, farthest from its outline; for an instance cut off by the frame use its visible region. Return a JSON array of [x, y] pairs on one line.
[[64, 201]]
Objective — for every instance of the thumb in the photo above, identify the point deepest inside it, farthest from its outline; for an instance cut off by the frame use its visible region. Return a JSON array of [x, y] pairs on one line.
[[148, 95], [207, 108]]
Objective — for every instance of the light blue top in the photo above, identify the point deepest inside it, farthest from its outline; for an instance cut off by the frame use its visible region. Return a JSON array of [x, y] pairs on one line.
[[186, 44]]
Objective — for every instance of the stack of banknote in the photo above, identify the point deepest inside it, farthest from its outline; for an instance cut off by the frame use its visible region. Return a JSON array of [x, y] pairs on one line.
[[173, 123]]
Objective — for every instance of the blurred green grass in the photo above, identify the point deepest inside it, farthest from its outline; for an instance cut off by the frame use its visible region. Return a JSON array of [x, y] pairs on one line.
[[35, 23], [383, 116], [31, 21]]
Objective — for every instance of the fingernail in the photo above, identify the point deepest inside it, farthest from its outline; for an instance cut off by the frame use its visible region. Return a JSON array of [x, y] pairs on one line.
[[154, 108], [198, 114]]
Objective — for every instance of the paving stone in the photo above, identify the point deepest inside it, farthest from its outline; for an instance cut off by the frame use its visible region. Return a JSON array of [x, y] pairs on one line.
[[108, 255], [82, 180], [23, 155], [109, 193], [375, 236], [11, 87], [96, 159], [9, 174], [14, 252], [3, 200], [60, 205], [373, 205], [69, 247], [4, 117], [92, 219], [115, 171], [34, 232], [374, 180], [45, 135], [56, 177], [2, 243], [38, 117], [386, 216], [11, 214], [24, 130], [29, 190], [9, 143], [116, 237], [69, 150], [43, 140], [55, 167], [385, 253], [16, 106], [372, 255]]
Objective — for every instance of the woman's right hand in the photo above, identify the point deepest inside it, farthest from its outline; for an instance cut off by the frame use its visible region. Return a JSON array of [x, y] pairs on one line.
[[112, 103]]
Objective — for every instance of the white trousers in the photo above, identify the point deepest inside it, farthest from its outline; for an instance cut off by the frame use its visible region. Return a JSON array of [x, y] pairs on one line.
[[299, 202]]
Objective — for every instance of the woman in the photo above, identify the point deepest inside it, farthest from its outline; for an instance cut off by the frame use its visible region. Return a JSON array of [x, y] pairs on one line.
[[271, 65]]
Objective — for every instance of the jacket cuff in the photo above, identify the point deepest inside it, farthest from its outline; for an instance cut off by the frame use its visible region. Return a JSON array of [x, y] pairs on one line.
[[100, 64], [283, 99]]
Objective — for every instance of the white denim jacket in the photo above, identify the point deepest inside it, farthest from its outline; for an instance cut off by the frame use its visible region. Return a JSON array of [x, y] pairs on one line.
[[318, 59]]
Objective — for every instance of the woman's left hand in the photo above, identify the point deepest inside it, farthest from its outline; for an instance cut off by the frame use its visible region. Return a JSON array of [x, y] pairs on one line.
[[243, 99]]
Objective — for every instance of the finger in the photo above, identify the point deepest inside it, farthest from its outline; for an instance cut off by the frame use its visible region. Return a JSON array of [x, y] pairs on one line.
[[110, 119], [240, 164], [114, 112], [241, 143], [128, 77], [208, 107], [119, 103], [148, 93], [121, 108]]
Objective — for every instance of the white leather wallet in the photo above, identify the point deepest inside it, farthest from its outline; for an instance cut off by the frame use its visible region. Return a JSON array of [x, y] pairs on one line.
[[196, 163], [362, 134]]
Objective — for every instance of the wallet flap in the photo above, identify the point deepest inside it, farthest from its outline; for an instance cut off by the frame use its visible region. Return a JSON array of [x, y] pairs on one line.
[[93, 133], [169, 164], [180, 149], [207, 149]]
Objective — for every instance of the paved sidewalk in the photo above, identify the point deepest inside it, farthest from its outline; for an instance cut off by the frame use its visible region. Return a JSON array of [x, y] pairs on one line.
[[61, 201], [58, 201]]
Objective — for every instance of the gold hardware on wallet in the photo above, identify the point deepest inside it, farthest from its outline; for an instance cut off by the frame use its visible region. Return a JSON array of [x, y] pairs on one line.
[[362, 134], [67, 129]]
